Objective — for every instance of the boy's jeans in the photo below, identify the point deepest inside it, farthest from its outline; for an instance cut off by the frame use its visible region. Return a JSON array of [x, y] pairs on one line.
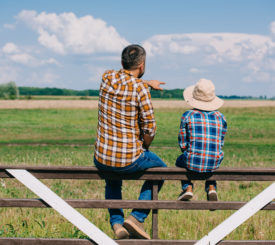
[[113, 187], [185, 183]]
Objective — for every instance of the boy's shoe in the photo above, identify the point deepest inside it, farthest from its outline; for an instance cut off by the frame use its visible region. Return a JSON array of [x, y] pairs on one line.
[[187, 194], [135, 228], [212, 194], [120, 232]]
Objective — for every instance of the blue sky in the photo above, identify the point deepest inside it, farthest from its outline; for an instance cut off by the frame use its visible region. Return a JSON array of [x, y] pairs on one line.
[[69, 44]]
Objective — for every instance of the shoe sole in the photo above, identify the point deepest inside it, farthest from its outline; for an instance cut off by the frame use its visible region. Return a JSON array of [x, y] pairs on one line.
[[135, 230], [122, 233], [186, 196], [212, 196]]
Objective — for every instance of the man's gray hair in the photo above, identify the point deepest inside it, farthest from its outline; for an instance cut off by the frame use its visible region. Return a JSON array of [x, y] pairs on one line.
[[132, 56]]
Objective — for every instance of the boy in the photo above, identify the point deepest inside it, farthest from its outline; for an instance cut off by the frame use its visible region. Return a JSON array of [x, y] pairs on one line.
[[201, 136]]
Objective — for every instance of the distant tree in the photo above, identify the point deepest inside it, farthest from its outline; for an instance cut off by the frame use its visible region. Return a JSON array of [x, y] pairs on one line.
[[9, 91], [57, 91]]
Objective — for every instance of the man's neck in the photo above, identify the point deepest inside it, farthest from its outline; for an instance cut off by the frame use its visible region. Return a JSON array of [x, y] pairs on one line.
[[135, 72]]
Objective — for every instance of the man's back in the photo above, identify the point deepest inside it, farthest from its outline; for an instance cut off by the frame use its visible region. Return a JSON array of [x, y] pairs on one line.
[[124, 109]]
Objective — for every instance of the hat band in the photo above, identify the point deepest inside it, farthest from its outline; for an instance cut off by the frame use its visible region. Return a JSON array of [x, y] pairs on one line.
[[203, 98]]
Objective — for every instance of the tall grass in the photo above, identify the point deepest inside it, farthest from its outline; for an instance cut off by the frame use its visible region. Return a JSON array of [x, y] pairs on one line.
[[65, 138]]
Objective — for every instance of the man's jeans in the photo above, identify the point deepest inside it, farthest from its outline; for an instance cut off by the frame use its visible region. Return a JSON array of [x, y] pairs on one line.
[[185, 183], [113, 187]]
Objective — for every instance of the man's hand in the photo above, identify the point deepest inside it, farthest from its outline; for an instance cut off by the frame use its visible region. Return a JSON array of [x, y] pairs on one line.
[[155, 84], [147, 140]]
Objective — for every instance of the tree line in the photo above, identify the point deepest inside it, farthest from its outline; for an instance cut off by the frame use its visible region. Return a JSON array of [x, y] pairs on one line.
[[11, 91], [164, 94], [31, 91]]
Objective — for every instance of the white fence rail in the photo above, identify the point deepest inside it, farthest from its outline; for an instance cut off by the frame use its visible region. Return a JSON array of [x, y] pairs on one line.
[[240, 216], [61, 206]]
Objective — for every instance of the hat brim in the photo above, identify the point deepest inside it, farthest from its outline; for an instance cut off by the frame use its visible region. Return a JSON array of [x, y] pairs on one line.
[[212, 105]]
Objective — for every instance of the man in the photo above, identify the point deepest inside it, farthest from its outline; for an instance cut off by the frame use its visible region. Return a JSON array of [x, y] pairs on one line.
[[126, 128]]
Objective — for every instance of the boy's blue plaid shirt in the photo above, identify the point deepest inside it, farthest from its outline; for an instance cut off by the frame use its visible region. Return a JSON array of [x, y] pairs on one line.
[[201, 138]]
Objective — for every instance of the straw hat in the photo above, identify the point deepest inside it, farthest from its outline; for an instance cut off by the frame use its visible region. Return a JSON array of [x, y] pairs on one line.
[[202, 96]]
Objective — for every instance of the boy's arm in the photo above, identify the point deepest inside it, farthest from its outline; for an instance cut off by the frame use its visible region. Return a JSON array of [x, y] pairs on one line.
[[182, 137], [224, 130]]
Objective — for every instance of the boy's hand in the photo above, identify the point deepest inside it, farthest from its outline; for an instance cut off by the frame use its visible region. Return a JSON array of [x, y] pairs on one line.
[[155, 84]]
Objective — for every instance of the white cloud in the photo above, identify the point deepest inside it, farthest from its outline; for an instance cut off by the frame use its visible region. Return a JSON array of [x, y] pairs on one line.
[[13, 53], [51, 61], [251, 55], [7, 74], [214, 46], [10, 48], [50, 41], [184, 49], [22, 58], [66, 33]]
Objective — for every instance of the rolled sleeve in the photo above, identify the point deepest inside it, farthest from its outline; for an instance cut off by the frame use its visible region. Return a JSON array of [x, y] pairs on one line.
[[224, 130], [182, 136], [147, 121]]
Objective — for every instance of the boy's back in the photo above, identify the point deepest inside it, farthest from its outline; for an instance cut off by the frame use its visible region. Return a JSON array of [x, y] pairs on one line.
[[201, 138]]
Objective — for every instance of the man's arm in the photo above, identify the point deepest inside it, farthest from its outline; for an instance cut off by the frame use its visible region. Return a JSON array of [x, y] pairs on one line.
[[147, 140], [154, 84], [147, 121]]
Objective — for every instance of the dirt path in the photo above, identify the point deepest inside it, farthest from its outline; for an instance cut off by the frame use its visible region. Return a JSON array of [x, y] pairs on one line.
[[92, 104]]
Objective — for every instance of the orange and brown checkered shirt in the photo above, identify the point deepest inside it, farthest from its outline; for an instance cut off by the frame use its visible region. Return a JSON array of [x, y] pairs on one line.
[[125, 111]]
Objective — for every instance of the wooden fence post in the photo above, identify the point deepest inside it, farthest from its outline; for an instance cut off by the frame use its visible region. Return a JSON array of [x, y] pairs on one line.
[[155, 211]]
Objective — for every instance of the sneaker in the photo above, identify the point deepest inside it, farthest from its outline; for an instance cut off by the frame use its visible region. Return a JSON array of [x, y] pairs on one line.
[[135, 228], [212, 194], [187, 194], [120, 231]]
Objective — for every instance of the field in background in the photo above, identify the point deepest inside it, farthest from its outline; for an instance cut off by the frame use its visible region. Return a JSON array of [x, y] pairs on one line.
[[67, 102], [65, 136], [56, 97]]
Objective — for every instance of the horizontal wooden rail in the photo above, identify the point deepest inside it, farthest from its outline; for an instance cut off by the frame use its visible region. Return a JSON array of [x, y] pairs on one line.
[[171, 173], [129, 204], [154, 174], [50, 241]]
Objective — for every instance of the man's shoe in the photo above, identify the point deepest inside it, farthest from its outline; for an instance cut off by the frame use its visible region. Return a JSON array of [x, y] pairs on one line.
[[120, 231], [135, 228], [212, 194], [187, 194]]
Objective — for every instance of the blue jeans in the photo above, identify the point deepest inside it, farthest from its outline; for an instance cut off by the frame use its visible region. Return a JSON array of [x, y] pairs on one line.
[[185, 183], [113, 187]]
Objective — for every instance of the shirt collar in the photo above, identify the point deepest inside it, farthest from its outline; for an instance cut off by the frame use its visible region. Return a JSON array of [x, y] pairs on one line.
[[126, 71]]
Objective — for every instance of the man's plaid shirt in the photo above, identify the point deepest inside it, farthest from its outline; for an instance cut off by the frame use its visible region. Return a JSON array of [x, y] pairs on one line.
[[125, 111], [201, 138]]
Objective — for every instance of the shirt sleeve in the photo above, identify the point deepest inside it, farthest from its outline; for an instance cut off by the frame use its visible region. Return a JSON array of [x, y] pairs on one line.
[[182, 137], [147, 121], [224, 130]]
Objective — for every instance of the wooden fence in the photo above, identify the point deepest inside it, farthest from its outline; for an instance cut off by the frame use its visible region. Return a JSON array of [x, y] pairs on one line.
[[154, 174]]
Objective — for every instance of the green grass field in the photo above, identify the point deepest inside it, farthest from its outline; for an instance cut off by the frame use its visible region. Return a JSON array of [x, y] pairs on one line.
[[65, 138]]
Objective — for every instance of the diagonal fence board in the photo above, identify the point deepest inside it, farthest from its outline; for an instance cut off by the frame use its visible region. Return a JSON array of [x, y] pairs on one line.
[[61, 206], [240, 216]]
